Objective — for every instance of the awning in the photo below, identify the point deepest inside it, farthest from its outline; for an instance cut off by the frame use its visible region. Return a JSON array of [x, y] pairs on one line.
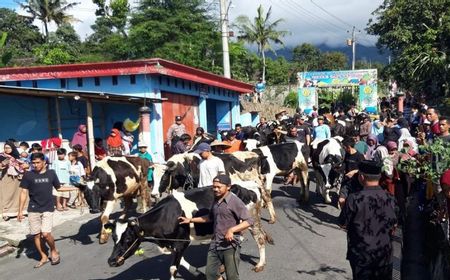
[[95, 96]]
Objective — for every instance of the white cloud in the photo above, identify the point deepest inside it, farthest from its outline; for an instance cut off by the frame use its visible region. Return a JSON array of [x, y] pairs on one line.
[[305, 21]]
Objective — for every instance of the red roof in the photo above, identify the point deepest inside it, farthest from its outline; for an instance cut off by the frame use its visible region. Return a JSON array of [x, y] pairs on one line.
[[132, 67]]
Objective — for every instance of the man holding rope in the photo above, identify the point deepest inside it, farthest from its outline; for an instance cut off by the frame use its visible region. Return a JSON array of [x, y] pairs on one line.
[[230, 218]]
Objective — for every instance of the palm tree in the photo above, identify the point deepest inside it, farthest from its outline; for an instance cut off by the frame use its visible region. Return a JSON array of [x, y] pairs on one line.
[[262, 32], [50, 10]]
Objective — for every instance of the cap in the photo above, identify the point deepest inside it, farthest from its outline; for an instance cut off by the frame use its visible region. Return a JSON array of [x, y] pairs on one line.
[[203, 147], [369, 167], [445, 178], [304, 118], [223, 179], [142, 145], [178, 118], [232, 132], [320, 118]]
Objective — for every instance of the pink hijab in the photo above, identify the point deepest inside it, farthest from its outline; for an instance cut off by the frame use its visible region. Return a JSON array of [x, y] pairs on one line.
[[79, 137]]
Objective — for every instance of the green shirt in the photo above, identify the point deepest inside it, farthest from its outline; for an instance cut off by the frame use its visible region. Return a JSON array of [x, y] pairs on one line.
[[148, 157]]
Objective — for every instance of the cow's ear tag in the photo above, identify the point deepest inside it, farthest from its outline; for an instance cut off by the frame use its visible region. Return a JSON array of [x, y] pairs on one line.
[[141, 233]]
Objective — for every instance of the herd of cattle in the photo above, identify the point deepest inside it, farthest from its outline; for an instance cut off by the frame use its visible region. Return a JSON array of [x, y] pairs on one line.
[[251, 172]]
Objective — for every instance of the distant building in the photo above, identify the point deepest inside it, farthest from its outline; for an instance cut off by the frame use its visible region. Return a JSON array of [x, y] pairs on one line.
[[44, 101]]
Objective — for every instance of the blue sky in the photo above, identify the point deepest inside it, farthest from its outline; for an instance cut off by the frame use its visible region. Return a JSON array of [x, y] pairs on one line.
[[312, 21]]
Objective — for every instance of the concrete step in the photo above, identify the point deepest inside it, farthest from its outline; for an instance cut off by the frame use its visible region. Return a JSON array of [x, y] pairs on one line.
[[5, 249]]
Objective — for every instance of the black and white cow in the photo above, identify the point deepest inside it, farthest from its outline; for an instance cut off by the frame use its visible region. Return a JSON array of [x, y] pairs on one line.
[[161, 226], [282, 159], [181, 171], [327, 157], [116, 177]]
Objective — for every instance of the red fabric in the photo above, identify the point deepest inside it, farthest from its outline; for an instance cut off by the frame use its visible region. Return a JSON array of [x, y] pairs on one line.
[[116, 140], [445, 178], [99, 151], [51, 143], [435, 128]]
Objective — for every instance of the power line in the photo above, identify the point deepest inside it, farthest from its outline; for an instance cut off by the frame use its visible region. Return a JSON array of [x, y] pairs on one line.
[[315, 16], [332, 15], [296, 15]]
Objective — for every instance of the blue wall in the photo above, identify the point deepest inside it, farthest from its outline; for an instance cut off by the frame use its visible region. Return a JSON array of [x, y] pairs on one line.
[[31, 117], [24, 118]]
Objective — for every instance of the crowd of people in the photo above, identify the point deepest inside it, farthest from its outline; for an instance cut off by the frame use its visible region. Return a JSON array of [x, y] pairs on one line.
[[374, 147]]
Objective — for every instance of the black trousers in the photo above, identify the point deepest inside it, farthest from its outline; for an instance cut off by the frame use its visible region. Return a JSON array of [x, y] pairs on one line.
[[371, 272]]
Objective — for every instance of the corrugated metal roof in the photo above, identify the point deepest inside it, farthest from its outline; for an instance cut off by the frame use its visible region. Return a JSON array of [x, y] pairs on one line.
[[154, 66]]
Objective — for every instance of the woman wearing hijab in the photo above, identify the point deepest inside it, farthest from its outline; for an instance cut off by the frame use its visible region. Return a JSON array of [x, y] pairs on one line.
[[80, 137], [11, 169], [115, 144]]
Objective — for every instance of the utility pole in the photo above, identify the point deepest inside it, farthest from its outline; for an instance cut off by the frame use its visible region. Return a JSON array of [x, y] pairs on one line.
[[353, 48], [224, 24]]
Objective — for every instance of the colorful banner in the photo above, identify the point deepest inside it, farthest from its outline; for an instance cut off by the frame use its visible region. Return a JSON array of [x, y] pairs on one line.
[[338, 78], [365, 79], [307, 98], [368, 98]]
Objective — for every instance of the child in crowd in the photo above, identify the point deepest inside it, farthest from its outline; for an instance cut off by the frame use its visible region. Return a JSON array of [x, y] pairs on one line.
[[81, 157], [146, 155], [24, 147], [76, 170], [62, 167], [24, 157], [100, 151]]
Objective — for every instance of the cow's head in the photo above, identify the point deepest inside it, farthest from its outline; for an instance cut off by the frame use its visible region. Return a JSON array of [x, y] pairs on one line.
[[334, 160], [251, 144], [99, 185], [158, 172], [181, 172], [127, 236]]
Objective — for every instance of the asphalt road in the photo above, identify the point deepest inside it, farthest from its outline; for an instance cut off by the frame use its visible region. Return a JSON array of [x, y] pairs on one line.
[[308, 245]]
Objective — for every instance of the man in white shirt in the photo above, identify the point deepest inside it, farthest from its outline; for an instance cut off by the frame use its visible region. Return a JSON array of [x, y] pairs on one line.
[[209, 167]]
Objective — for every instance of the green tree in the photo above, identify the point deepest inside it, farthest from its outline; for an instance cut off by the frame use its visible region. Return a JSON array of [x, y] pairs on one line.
[[63, 46], [333, 61], [115, 14], [22, 36], [291, 100], [181, 30], [261, 31], [418, 35], [244, 64], [50, 10], [306, 57], [279, 71]]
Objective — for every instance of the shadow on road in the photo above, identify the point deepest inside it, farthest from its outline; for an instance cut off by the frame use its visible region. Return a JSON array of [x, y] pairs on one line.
[[324, 269]]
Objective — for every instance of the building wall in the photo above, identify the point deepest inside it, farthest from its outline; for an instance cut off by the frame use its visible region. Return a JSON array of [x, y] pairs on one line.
[[73, 112], [24, 118]]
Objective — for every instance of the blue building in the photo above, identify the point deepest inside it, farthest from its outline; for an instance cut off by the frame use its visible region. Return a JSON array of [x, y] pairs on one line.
[[51, 101]]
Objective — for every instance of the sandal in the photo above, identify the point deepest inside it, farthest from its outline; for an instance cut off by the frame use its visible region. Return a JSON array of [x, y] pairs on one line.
[[59, 209], [56, 261], [40, 264], [6, 218]]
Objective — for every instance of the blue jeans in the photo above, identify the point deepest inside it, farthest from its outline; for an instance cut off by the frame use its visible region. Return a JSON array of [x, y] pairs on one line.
[[229, 258]]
